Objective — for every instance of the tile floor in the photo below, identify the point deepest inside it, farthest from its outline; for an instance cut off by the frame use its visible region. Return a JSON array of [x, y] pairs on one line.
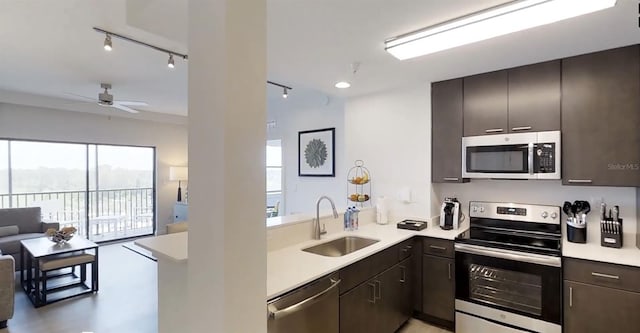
[[417, 326]]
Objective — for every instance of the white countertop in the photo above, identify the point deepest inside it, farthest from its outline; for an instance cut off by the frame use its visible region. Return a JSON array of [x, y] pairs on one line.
[[172, 246], [290, 267], [629, 254]]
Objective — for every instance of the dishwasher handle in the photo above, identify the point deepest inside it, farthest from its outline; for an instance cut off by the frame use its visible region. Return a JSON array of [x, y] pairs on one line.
[[274, 313]]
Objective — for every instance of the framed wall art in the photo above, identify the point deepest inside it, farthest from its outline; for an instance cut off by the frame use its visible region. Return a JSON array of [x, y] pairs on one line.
[[316, 153]]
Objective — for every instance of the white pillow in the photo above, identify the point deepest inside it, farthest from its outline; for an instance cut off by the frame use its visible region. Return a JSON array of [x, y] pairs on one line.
[[9, 230]]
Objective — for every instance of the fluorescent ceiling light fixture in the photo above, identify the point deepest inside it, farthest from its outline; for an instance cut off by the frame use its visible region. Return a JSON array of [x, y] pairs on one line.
[[343, 85], [493, 22]]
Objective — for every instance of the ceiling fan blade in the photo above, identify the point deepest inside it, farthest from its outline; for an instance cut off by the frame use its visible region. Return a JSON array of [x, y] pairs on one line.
[[131, 103], [84, 97], [124, 108]]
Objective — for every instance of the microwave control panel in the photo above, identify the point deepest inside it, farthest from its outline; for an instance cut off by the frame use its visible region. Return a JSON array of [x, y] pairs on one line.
[[544, 160]]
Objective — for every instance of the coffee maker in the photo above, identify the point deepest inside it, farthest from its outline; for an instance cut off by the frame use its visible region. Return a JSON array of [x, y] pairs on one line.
[[450, 214]]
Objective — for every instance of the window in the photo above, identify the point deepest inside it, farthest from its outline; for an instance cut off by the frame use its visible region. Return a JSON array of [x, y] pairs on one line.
[[275, 202], [106, 192], [4, 173]]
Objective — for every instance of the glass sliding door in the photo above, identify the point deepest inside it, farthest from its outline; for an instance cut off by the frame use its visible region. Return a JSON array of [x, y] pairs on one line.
[[121, 192], [51, 176], [4, 174], [106, 192]]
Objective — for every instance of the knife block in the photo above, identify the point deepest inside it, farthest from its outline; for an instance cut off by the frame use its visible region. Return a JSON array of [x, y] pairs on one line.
[[608, 238]]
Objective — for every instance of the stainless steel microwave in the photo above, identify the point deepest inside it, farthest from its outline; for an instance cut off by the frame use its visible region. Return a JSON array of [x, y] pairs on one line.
[[534, 155]]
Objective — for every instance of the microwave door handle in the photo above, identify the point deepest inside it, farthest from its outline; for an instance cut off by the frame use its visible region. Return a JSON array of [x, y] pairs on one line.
[[530, 159]]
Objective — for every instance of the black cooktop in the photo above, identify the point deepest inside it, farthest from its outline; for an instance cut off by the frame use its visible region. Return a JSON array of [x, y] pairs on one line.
[[540, 239]]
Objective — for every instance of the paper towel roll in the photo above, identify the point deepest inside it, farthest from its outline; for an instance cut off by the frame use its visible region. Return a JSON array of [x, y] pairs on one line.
[[382, 213]]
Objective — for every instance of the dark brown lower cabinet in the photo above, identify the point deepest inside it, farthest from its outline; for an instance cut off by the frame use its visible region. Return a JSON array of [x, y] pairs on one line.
[[595, 309], [438, 287], [379, 305], [402, 284], [358, 310]]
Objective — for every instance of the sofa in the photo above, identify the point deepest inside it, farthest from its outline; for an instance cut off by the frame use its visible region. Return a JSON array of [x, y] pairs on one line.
[[17, 224], [7, 288]]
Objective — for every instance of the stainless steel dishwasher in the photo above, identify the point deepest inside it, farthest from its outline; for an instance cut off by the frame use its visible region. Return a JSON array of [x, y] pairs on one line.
[[313, 308]]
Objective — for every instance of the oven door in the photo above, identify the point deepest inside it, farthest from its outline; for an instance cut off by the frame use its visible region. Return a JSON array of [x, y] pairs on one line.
[[499, 156], [528, 285]]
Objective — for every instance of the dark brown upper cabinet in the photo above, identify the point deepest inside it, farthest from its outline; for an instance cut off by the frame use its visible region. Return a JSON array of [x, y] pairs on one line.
[[534, 97], [446, 133], [521, 99], [486, 104], [601, 118]]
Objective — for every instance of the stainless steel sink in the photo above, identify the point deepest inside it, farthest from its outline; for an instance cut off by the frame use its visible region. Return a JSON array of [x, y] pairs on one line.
[[340, 246]]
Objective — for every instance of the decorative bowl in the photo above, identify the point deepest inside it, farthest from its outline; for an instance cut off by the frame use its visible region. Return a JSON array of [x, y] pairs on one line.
[[61, 236]]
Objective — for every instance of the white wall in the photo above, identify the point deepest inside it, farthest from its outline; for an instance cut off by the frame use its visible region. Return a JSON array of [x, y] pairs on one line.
[[391, 133], [305, 110], [170, 140]]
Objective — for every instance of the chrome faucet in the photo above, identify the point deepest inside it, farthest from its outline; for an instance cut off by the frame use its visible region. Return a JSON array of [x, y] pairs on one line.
[[316, 222]]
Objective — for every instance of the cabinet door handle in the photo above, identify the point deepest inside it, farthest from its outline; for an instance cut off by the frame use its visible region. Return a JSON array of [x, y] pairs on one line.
[[379, 288], [450, 179], [449, 267], [373, 293], [494, 130], [521, 128], [606, 276], [403, 277], [407, 248], [580, 181], [439, 248], [570, 297]]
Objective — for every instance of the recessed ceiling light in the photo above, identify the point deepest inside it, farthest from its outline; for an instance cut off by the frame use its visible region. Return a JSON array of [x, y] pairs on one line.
[[343, 85]]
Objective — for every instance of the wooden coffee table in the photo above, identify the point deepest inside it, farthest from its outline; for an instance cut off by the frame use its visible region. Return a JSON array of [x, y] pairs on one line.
[[42, 261]]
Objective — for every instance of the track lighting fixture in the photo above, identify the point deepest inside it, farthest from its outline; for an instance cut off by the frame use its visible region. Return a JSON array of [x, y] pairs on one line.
[[107, 43], [285, 89]]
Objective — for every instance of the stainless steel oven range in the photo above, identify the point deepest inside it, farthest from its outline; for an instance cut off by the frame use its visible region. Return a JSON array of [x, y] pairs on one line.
[[508, 269]]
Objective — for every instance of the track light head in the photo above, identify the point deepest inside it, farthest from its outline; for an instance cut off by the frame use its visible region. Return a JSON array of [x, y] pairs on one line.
[[171, 64], [107, 43], [285, 93]]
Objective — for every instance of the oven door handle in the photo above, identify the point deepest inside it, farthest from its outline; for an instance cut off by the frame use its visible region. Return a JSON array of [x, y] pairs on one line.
[[530, 258]]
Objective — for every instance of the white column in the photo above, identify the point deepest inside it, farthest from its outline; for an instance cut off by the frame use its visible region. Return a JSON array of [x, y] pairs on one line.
[[227, 133]]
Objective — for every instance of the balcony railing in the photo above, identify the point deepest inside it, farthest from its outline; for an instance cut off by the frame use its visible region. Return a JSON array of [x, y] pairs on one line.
[[113, 214]]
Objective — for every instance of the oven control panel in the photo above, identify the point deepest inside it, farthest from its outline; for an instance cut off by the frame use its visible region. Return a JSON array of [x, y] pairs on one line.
[[512, 211], [515, 212]]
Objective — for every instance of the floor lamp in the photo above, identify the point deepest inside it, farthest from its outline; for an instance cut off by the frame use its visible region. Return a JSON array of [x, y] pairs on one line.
[[180, 174]]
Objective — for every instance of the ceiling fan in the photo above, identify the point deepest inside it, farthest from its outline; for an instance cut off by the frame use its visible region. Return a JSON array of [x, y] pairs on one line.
[[106, 99]]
